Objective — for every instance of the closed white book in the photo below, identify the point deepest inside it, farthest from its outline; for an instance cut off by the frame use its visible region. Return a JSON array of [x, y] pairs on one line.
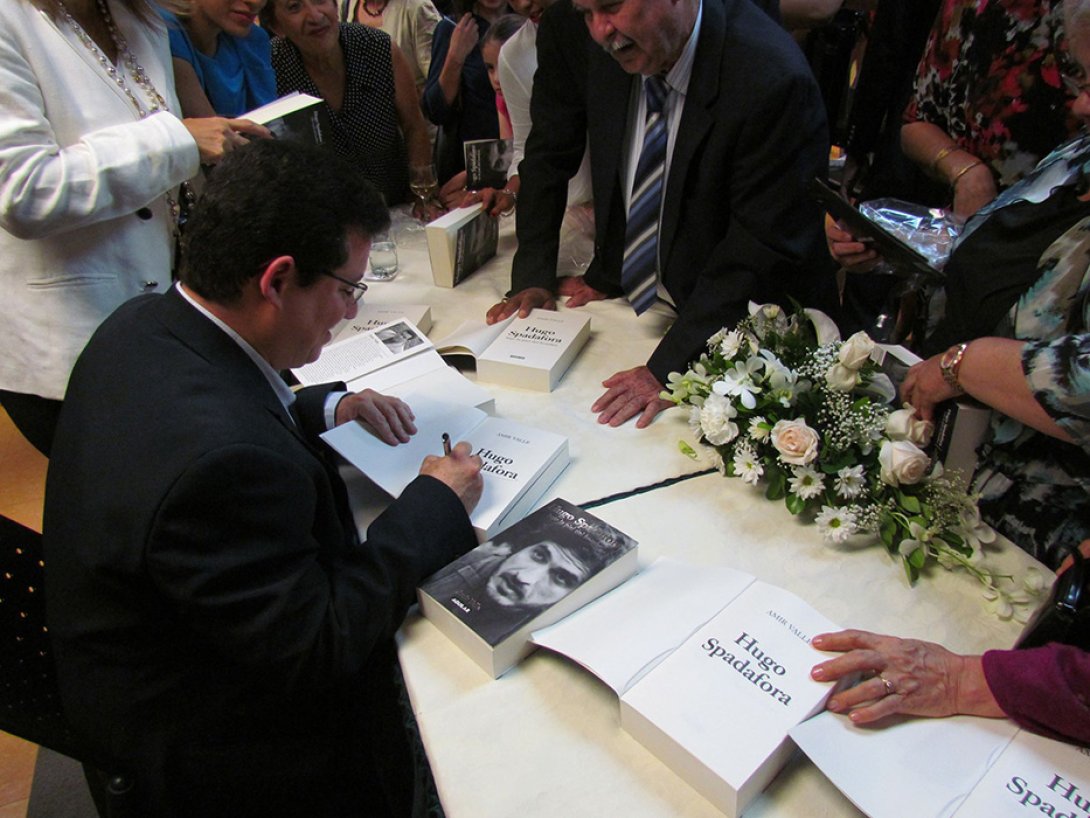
[[459, 242], [972, 767], [520, 462], [529, 353], [712, 668], [532, 574]]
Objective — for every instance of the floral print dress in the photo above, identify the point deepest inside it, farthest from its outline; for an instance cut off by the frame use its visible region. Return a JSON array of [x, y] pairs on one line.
[[990, 78], [1034, 488]]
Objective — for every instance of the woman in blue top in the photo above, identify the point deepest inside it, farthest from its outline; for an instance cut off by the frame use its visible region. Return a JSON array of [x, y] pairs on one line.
[[458, 96], [222, 61]]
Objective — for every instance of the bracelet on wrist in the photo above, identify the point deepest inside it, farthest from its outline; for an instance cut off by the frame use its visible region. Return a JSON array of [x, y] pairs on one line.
[[942, 154], [974, 164]]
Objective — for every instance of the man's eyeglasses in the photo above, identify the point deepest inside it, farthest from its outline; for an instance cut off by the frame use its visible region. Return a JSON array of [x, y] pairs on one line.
[[1076, 86], [358, 287]]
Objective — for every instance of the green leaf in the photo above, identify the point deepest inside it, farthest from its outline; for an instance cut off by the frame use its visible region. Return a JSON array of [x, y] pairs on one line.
[[908, 502], [795, 504], [910, 572], [777, 485], [917, 558], [888, 528], [687, 450]]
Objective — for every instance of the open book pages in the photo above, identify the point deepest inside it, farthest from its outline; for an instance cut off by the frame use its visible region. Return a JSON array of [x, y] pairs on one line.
[[371, 316], [364, 353], [974, 767], [712, 666], [520, 462]]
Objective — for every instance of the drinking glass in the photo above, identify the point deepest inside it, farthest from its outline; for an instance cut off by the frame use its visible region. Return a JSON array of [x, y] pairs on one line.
[[423, 182], [383, 258]]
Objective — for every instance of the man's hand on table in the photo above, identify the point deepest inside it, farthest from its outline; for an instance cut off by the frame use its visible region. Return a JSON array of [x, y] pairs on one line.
[[460, 470], [578, 292], [388, 417], [630, 393], [522, 303]]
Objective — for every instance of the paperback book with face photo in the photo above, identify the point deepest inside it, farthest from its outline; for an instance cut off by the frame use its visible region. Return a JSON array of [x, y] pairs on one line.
[[297, 117], [526, 577], [487, 162], [459, 242]]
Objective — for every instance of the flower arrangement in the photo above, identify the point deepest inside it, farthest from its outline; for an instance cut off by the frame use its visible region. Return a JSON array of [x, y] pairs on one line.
[[780, 399]]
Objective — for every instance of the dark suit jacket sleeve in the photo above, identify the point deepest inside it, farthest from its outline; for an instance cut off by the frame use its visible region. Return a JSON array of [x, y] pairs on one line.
[[772, 247], [247, 577], [432, 102], [555, 147]]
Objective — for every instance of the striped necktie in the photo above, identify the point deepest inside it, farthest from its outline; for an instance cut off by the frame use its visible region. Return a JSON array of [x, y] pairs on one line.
[[639, 270]]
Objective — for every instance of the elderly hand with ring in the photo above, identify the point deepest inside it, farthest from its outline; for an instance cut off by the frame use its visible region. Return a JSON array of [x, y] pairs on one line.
[[902, 676]]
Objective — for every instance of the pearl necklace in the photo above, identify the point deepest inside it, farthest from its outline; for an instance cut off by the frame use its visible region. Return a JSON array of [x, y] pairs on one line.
[[157, 102]]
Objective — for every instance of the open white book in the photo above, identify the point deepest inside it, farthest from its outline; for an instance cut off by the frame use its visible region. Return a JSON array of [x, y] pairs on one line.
[[531, 353], [957, 767], [712, 668], [529, 575], [520, 462], [395, 358], [371, 316]]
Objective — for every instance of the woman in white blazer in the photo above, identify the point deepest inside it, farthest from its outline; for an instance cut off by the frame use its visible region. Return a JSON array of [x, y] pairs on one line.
[[91, 162]]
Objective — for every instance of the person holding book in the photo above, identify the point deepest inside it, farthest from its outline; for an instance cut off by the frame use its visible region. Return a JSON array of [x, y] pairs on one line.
[[1015, 337], [458, 97], [222, 61], [93, 156], [367, 86], [719, 216], [221, 633]]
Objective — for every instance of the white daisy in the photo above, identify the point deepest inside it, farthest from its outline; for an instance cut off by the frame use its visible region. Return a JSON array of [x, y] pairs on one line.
[[807, 482]]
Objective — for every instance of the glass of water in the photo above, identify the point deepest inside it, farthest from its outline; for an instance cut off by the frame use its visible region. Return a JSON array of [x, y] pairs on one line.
[[383, 259]]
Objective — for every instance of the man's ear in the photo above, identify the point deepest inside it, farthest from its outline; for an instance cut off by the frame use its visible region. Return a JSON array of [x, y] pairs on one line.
[[274, 279]]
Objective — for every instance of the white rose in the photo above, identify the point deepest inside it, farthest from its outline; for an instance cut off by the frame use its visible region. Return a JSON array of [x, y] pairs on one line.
[[902, 462], [796, 442], [715, 420], [841, 378], [856, 350], [904, 425]]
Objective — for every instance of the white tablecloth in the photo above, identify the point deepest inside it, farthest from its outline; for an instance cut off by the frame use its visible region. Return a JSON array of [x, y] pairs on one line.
[[545, 740]]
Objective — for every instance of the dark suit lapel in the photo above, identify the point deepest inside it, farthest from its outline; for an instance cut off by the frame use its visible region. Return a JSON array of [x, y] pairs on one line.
[[698, 116]]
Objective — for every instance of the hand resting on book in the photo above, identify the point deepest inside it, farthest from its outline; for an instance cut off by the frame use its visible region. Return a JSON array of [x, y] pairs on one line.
[[388, 417], [907, 676]]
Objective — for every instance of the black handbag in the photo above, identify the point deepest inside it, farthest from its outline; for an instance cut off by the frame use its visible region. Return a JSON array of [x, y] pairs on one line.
[[1065, 615]]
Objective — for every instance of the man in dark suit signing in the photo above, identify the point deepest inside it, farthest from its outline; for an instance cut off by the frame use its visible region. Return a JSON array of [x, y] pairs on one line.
[[705, 125], [222, 635]]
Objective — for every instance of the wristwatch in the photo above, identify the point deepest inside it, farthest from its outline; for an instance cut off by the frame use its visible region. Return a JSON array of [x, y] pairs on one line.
[[950, 363]]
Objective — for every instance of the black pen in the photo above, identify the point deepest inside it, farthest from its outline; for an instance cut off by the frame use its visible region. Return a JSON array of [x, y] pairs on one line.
[[446, 444]]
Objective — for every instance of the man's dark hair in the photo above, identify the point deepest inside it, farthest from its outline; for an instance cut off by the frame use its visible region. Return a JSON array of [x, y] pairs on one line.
[[275, 198]]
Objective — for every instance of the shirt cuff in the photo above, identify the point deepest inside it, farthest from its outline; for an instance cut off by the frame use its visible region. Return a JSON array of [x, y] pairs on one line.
[[331, 401]]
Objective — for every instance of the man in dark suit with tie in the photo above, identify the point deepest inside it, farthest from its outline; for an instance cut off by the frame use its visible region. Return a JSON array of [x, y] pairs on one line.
[[723, 103], [221, 633]]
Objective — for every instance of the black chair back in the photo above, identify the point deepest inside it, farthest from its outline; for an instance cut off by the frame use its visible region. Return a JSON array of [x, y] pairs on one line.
[[30, 705]]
